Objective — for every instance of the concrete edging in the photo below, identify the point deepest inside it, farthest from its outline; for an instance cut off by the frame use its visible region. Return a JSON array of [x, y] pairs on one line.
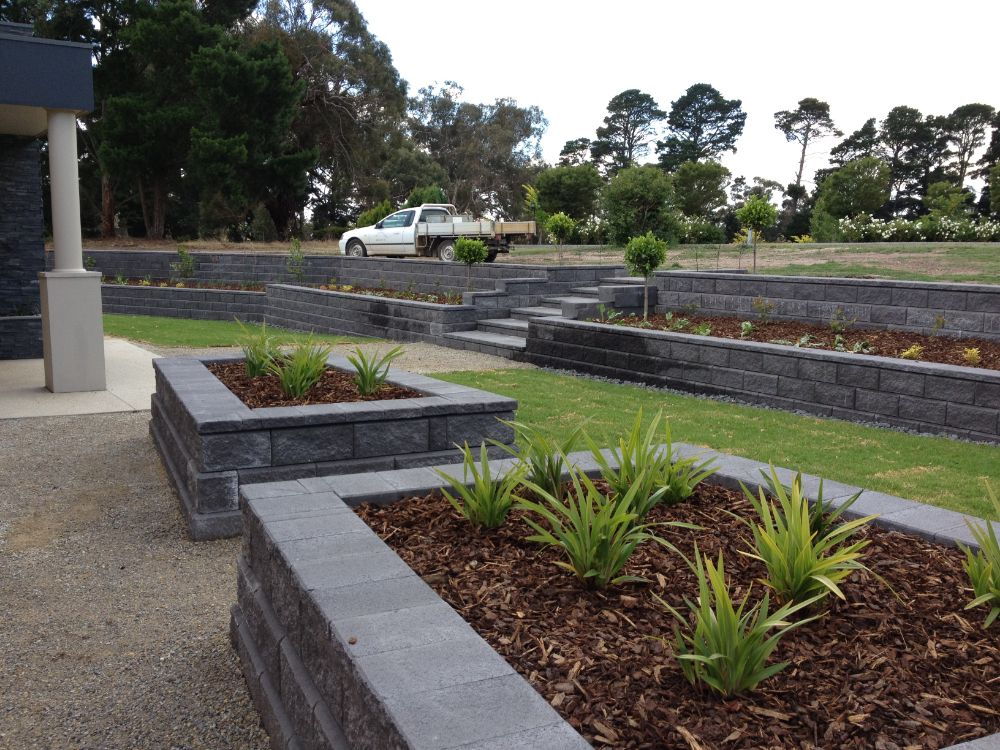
[[382, 654]]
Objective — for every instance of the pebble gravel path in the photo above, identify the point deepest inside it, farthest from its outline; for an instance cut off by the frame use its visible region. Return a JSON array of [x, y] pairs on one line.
[[113, 624]]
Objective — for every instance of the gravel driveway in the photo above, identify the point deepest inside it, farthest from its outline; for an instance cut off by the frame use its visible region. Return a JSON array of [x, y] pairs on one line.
[[113, 625]]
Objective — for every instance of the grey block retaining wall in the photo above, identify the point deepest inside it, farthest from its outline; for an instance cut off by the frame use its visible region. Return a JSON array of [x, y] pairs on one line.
[[922, 396], [212, 444], [965, 309], [196, 304], [343, 645], [22, 252], [426, 276]]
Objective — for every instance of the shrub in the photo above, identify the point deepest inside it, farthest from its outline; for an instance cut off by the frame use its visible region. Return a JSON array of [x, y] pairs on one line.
[[300, 370], [758, 214], [370, 370], [296, 263], [696, 231], [542, 456], [746, 329], [262, 228], [727, 647], [561, 228], [646, 467], [638, 200], [487, 500], [186, 265], [914, 352], [260, 349], [470, 251], [374, 214], [972, 356], [643, 255], [801, 564], [983, 566], [427, 194], [596, 534]]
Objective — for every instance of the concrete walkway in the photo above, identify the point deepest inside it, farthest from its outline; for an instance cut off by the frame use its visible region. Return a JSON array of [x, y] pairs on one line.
[[130, 384]]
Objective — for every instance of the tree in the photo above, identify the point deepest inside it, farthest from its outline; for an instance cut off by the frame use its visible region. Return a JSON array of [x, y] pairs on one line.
[[486, 150], [700, 188], [806, 123], [906, 140], [861, 143], [639, 200], [995, 190], [575, 152], [945, 200], [571, 190], [561, 227], [966, 128], [859, 187], [626, 131], [470, 251], [426, 194], [643, 255], [701, 125], [757, 214]]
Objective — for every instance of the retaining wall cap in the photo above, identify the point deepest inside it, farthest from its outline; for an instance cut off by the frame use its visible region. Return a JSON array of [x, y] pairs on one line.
[[838, 280]]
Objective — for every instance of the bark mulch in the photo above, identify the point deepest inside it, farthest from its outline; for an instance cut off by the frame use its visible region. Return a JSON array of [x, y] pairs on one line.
[[942, 348], [875, 672], [439, 298], [189, 284], [335, 387]]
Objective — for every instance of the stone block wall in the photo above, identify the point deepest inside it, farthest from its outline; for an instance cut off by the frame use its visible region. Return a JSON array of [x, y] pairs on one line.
[[924, 307], [22, 250], [921, 396], [196, 304]]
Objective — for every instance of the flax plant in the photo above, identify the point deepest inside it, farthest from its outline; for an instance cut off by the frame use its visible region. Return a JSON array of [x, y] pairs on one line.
[[371, 370], [983, 565], [486, 500], [543, 457], [299, 371], [259, 350]]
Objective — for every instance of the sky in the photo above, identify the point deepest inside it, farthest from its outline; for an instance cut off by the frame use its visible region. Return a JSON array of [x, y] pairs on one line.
[[569, 58]]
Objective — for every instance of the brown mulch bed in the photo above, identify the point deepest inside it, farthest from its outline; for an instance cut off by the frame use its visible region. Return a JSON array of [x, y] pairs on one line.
[[335, 387], [943, 349], [438, 298], [189, 284], [875, 672]]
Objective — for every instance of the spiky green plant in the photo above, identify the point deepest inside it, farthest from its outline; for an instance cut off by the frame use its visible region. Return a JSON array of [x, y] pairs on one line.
[[597, 534], [639, 454], [487, 500], [800, 564], [259, 350], [301, 369], [728, 646], [822, 515], [983, 565], [542, 456], [371, 370]]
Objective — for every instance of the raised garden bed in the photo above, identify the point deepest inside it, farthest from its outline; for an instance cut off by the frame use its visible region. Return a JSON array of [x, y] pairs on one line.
[[921, 396], [848, 338], [212, 443], [341, 640], [439, 298], [243, 286]]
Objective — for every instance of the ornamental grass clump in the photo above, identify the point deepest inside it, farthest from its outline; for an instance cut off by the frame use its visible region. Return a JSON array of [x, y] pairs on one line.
[[487, 500], [983, 565], [640, 462], [542, 456], [371, 370], [260, 349], [727, 646], [822, 514], [595, 533], [801, 564], [299, 371]]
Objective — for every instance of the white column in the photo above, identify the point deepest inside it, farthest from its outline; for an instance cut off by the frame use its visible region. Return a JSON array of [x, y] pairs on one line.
[[72, 327], [65, 191]]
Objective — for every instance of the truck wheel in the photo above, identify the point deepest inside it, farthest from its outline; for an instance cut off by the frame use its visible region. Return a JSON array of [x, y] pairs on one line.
[[446, 251], [492, 255], [356, 248]]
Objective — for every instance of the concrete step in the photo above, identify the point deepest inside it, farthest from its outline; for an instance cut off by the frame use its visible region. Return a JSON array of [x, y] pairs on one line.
[[622, 280], [504, 326], [526, 313], [486, 342], [567, 299], [588, 291]]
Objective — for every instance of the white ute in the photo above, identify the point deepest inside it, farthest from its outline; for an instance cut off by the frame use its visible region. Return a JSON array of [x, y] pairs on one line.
[[430, 230]]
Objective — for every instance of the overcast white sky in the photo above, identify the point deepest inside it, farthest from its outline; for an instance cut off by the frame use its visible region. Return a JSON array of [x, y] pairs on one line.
[[570, 58]]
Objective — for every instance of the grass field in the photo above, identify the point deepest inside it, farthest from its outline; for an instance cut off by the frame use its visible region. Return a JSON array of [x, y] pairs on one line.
[[201, 333], [934, 470]]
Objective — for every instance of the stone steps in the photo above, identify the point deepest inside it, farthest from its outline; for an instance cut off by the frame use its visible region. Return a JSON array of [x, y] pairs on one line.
[[487, 342], [527, 313], [505, 326]]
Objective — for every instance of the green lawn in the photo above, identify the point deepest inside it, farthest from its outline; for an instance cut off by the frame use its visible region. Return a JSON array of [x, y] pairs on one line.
[[201, 333], [938, 471]]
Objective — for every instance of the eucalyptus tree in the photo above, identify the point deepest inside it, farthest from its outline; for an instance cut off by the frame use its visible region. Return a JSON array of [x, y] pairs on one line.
[[804, 125]]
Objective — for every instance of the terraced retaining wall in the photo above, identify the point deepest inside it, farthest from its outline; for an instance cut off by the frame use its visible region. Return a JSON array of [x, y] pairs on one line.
[[921, 396], [212, 444], [960, 309], [426, 276], [196, 304], [343, 645]]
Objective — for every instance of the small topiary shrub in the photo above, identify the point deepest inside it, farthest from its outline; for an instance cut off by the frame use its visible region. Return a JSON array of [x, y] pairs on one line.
[[470, 252], [643, 255]]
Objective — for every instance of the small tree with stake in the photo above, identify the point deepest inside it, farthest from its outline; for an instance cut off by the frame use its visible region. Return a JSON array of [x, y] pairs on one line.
[[757, 214], [470, 252], [643, 255], [560, 227]]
